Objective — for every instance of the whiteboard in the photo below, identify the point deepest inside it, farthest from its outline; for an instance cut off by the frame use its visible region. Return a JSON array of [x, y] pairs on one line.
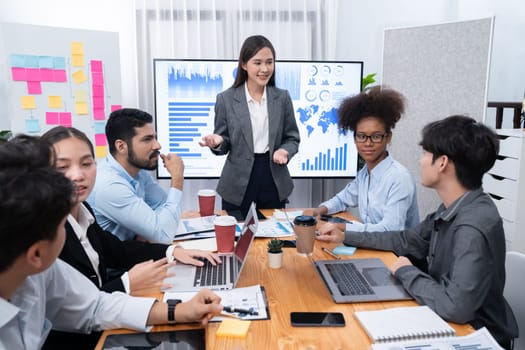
[[59, 76], [441, 70]]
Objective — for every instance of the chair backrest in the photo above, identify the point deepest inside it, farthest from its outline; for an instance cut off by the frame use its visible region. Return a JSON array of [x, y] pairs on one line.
[[514, 292]]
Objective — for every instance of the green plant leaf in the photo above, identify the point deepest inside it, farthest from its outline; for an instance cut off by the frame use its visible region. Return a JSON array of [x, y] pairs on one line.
[[369, 79], [5, 135]]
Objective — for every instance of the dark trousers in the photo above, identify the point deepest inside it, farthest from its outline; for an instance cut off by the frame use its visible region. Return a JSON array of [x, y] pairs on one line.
[[261, 188]]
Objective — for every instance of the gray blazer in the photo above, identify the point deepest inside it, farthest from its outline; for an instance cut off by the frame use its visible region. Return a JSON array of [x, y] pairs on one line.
[[232, 122]]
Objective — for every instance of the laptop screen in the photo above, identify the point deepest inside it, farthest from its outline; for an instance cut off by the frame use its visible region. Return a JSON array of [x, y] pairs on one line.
[[241, 248], [248, 231]]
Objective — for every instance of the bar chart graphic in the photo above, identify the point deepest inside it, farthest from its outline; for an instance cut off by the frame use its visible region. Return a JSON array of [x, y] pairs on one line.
[[331, 160], [187, 122]]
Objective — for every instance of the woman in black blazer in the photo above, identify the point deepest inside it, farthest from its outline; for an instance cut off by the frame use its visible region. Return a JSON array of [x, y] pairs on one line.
[[255, 125], [91, 250]]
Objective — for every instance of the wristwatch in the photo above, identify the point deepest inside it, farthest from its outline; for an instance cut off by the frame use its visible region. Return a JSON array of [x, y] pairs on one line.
[[172, 303]]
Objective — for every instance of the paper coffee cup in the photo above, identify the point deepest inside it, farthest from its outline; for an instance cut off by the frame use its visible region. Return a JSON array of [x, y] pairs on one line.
[[304, 228], [225, 233], [206, 202]]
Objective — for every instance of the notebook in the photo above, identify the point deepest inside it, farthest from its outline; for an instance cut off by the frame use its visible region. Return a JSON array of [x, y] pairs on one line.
[[403, 323], [360, 280], [480, 339], [221, 276]]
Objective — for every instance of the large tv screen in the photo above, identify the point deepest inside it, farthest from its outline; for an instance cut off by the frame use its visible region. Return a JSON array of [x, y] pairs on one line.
[[185, 92]]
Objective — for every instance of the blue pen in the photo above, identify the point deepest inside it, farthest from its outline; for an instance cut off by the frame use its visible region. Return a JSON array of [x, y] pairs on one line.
[[282, 227]]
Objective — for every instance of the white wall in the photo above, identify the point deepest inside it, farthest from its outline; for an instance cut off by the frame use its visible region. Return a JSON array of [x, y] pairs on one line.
[[361, 26]]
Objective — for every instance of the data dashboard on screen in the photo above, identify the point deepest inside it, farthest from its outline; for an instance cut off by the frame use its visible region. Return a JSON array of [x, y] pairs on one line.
[[185, 93]]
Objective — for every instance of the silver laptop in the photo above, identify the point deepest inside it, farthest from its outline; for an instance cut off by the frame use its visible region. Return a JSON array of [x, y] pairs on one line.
[[221, 276], [360, 280]]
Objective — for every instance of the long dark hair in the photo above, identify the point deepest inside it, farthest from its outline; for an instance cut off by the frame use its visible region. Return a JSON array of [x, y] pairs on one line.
[[250, 47]]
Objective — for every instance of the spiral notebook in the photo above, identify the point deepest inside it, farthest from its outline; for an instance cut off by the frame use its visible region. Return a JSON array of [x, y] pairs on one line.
[[403, 323]]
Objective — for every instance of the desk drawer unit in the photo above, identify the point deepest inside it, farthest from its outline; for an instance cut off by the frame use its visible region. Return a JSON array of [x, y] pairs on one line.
[[505, 182]]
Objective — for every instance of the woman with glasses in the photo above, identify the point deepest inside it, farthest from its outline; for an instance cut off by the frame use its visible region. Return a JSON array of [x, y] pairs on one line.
[[383, 189]]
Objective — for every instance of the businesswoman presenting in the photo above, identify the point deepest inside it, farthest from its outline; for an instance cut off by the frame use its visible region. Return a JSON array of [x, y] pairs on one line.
[[255, 125]]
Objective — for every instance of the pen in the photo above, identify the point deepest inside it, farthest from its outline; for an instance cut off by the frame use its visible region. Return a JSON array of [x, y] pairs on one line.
[[225, 314], [329, 252], [281, 226], [242, 311]]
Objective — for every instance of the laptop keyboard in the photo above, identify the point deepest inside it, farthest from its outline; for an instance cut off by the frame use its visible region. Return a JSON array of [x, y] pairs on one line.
[[209, 275], [349, 280]]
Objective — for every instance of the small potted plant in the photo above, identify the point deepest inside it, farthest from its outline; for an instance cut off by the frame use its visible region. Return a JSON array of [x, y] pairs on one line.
[[275, 253]]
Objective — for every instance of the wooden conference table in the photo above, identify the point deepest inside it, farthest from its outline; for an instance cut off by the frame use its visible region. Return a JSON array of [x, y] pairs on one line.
[[294, 287]]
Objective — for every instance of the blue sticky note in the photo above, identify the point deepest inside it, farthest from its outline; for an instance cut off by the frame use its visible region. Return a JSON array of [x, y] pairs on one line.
[[344, 250], [100, 127], [59, 62], [31, 61], [45, 62], [32, 125], [17, 60]]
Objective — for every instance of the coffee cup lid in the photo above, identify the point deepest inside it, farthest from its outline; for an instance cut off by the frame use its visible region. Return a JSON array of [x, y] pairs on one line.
[[305, 220], [224, 220]]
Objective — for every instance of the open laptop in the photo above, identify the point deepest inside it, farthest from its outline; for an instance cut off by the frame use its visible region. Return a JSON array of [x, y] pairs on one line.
[[221, 276], [360, 280]]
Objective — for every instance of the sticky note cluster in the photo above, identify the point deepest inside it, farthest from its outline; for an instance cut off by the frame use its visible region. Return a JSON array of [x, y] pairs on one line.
[[233, 328]]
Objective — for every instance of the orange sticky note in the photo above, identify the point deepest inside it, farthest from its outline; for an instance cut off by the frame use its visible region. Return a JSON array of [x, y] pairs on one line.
[[79, 77], [77, 48], [233, 328], [101, 151], [77, 60], [81, 108], [28, 102], [54, 101], [80, 95]]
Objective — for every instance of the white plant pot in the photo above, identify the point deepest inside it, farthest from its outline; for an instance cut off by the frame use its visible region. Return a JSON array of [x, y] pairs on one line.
[[275, 260]]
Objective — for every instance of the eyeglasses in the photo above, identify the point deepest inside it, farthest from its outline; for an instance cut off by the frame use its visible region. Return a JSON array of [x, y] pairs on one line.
[[375, 138]]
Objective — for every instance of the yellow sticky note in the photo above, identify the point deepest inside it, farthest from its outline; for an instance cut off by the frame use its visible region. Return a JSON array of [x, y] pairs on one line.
[[100, 151], [233, 328], [77, 60], [77, 48], [28, 102], [54, 101], [81, 108], [79, 77], [80, 95]]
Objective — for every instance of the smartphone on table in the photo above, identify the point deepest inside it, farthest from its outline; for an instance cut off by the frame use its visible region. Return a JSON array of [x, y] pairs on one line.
[[335, 219], [317, 319]]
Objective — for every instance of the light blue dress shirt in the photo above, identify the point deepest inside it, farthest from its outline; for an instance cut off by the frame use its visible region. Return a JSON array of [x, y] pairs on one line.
[[386, 198], [128, 206], [62, 298]]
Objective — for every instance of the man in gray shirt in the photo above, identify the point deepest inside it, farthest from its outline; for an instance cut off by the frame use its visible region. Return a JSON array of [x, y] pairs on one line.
[[462, 244]]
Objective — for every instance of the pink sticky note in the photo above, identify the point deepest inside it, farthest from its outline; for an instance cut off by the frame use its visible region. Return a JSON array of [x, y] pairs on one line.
[[100, 140], [97, 78], [98, 90], [47, 74], [19, 74], [60, 75], [115, 107], [65, 119], [33, 74], [34, 88], [52, 118], [98, 114], [98, 102], [96, 66]]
